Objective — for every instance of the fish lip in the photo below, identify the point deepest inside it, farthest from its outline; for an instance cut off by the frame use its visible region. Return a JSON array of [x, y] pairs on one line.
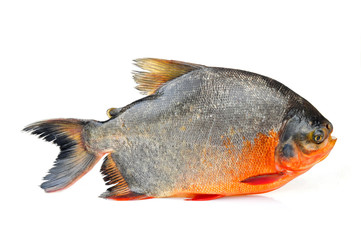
[[332, 141]]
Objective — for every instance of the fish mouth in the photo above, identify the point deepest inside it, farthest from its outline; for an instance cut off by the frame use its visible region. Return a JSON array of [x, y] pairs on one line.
[[304, 162], [326, 151], [331, 143], [320, 155]]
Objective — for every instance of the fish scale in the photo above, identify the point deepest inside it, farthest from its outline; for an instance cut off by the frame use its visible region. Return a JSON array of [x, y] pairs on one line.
[[201, 133]]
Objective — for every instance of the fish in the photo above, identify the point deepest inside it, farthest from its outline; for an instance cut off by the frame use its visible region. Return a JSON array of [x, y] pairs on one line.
[[200, 133]]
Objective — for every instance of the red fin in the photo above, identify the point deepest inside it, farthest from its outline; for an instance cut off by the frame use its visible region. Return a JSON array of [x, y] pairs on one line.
[[263, 178], [120, 191], [130, 196], [204, 197]]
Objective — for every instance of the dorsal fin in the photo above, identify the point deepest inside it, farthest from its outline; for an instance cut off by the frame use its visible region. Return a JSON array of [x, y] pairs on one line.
[[159, 71]]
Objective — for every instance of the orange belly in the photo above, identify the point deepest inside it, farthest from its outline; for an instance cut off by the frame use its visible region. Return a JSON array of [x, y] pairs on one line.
[[255, 158]]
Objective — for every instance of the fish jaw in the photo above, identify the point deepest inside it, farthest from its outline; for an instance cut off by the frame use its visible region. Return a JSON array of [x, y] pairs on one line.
[[304, 162], [318, 156]]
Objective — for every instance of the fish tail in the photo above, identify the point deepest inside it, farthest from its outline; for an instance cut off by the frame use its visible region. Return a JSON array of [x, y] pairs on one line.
[[74, 159]]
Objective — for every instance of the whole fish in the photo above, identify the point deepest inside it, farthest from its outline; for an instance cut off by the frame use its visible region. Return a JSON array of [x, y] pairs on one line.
[[201, 133]]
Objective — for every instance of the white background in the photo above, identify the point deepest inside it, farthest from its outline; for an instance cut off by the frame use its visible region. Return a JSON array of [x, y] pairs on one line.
[[74, 59]]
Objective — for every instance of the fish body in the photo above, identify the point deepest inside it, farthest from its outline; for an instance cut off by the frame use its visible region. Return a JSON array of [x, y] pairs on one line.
[[201, 133]]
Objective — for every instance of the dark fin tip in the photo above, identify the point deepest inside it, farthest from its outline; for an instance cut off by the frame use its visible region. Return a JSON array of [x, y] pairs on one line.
[[73, 160]]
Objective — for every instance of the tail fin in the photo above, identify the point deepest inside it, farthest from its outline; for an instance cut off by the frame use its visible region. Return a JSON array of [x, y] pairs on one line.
[[73, 160]]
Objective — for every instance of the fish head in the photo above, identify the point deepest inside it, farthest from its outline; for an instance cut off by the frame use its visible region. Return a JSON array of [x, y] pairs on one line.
[[304, 141]]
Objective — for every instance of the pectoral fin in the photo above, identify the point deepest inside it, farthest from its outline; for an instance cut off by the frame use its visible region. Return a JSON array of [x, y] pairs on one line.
[[263, 178]]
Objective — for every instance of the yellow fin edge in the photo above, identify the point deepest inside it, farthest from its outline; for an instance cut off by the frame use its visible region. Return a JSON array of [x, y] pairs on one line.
[[158, 72]]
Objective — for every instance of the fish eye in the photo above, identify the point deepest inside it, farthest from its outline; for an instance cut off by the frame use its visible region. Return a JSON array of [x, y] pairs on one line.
[[318, 136]]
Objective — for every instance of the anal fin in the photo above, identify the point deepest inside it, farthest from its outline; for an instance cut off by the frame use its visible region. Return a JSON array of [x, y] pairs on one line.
[[120, 191]]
